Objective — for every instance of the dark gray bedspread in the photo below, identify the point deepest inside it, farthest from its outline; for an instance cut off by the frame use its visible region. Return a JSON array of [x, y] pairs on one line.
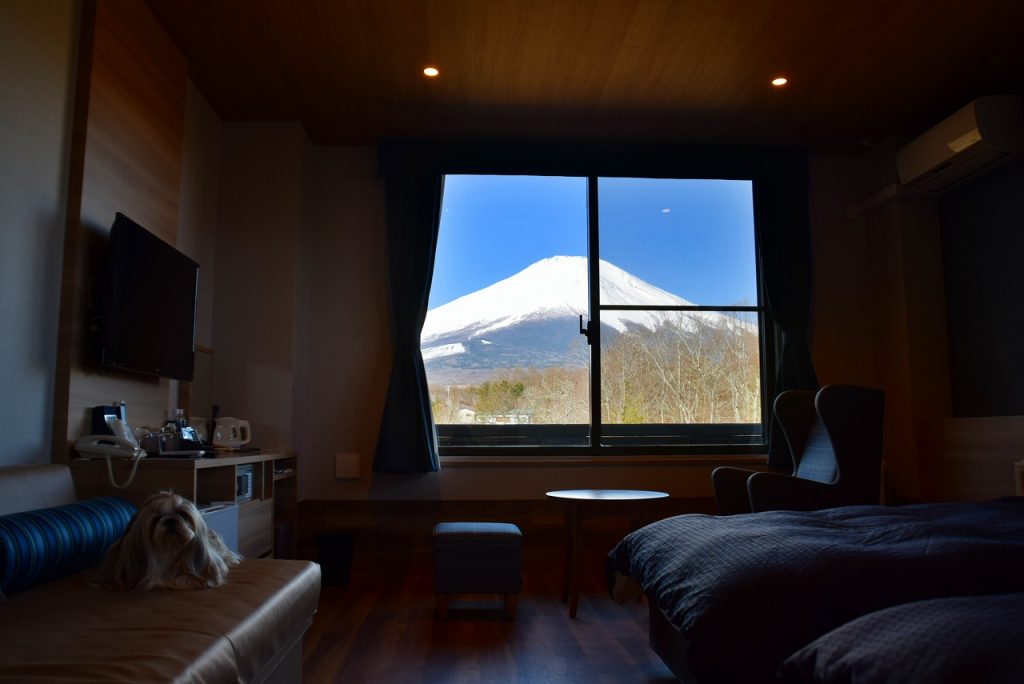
[[749, 590], [938, 641]]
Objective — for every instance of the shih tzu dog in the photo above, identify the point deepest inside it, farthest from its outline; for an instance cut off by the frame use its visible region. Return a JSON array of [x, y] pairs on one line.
[[167, 545]]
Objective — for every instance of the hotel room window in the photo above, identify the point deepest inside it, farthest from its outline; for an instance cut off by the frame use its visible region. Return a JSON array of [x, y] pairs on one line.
[[595, 315]]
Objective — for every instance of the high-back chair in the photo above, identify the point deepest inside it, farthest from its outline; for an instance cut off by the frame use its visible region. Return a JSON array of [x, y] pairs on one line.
[[835, 439]]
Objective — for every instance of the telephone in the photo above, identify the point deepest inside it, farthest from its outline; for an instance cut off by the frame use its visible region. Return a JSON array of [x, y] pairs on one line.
[[108, 446]]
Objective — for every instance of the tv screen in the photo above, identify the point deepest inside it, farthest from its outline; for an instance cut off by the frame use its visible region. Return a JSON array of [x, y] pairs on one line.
[[148, 319]]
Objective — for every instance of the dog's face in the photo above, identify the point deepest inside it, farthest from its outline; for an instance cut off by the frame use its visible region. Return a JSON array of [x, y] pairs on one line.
[[171, 522], [167, 545]]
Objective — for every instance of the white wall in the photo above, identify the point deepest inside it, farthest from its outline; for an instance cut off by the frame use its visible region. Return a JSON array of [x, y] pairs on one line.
[[342, 349], [37, 73], [256, 252], [198, 219], [300, 318], [199, 203]]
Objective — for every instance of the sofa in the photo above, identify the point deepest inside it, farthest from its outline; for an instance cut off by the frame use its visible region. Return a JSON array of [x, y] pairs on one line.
[[70, 629]]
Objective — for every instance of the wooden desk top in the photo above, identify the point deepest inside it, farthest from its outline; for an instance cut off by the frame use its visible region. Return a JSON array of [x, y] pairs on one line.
[[222, 458]]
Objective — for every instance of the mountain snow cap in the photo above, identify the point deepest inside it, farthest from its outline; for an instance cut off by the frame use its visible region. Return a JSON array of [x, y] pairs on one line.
[[554, 287]]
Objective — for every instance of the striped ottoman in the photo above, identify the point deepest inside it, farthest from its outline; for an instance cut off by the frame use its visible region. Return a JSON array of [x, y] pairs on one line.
[[477, 558]]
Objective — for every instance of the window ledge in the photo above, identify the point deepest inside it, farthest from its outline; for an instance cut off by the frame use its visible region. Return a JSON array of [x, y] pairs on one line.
[[697, 460]]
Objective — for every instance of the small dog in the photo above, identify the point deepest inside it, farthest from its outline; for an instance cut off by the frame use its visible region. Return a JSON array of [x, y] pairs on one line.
[[167, 545]]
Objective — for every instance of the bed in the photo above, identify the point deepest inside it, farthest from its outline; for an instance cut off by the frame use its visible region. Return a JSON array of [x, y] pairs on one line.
[[732, 597], [939, 641]]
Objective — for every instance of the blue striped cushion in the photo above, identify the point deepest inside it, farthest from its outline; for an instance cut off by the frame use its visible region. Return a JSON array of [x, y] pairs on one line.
[[41, 545]]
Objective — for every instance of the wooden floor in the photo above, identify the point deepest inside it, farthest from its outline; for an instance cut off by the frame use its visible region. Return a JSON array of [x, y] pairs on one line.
[[380, 627]]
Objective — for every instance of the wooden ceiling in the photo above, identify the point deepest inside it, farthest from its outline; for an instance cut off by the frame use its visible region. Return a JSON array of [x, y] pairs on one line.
[[679, 70]]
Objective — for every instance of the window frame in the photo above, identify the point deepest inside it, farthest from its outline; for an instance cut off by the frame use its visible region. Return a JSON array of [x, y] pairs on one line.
[[768, 341]]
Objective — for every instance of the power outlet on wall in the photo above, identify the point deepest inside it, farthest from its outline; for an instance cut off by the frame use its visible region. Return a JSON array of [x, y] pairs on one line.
[[346, 465]]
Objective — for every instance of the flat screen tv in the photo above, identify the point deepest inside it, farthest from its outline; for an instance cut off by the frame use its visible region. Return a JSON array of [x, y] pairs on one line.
[[148, 309]]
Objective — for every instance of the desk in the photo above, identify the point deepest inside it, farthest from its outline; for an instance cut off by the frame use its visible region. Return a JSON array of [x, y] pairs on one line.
[[575, 500], [273, 503]]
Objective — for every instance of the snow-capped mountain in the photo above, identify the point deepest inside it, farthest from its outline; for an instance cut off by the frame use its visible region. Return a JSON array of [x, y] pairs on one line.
[[531, 319], [550, 288]]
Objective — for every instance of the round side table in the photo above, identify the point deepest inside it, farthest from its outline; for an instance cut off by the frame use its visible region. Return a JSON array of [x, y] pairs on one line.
[[575, 500]]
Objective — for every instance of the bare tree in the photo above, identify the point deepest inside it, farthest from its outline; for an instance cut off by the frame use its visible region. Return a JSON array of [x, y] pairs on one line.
[[694, 368]]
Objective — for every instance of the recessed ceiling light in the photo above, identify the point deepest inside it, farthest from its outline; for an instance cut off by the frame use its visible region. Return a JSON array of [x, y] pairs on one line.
[[431, 72], [780, 81]]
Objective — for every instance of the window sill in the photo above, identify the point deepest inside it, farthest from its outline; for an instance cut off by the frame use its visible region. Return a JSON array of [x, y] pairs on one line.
[[696, 460]]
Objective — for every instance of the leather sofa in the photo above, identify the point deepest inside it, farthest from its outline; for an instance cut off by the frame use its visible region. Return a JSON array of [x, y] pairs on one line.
[[248, 630]]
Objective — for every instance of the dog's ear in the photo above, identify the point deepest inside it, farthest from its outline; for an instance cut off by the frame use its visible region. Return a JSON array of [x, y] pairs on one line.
[[217, 546], [203, 563], [126, 565]]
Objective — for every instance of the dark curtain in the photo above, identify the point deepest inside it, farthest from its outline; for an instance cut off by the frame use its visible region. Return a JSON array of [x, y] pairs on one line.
[[408, 442], [786, 270]]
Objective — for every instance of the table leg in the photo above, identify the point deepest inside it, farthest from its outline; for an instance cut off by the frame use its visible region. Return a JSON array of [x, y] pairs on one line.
[[567, 566], [576, 545]]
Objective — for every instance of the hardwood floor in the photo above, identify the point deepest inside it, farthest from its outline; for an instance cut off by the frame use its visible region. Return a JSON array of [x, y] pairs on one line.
[[380, 627]]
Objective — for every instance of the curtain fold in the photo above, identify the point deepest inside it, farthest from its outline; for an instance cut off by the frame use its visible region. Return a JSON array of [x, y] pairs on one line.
[[407, 442], [786, 269]]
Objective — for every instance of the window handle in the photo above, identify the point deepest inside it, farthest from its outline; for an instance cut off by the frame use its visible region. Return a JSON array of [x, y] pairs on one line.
[[585, 329]]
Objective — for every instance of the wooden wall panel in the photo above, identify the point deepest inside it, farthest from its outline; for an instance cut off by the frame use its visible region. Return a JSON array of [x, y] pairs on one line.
[[970, 458], [126, 156], [136, 121]]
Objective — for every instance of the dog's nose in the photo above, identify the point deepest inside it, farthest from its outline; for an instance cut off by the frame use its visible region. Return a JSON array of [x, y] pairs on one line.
[[171, 522]]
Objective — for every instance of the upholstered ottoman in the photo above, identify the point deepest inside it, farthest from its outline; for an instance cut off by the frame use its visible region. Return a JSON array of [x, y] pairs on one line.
[[478, 558]]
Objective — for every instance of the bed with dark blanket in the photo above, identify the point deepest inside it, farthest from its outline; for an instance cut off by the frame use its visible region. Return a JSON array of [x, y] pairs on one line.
[[744, 592], [939, 641]]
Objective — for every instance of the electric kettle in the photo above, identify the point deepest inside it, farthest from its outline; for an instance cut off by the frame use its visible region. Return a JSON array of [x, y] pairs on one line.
[[231, 433]]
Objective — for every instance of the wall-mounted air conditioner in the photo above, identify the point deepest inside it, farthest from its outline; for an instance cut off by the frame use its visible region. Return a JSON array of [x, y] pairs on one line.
[[984, 132]]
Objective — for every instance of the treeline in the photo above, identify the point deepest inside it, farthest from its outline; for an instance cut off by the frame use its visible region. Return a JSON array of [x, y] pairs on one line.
[[693, 369]]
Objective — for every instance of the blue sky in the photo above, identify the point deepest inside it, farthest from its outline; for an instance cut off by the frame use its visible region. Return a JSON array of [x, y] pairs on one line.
[[701, 248]]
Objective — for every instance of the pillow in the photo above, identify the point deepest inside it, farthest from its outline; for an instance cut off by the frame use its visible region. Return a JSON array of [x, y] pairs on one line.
[[940, 641], [41, 545]]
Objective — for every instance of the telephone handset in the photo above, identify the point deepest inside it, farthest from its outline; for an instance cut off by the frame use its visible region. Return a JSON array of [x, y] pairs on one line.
[[108, 445], [121, 444]]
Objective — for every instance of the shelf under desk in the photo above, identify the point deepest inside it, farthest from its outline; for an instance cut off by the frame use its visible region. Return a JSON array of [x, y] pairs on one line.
[[205, 480]]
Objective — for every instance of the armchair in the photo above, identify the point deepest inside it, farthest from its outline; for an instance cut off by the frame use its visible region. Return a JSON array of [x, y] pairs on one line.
[[835, 439]]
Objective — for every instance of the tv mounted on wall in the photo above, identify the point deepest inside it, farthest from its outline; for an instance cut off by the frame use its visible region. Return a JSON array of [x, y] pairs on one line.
[[149, 305]]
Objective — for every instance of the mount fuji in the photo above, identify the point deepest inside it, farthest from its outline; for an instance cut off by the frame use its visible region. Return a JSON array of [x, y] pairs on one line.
[[531, 319]]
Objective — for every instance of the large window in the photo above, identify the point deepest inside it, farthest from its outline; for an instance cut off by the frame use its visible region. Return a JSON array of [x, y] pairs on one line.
[[598, 314]]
